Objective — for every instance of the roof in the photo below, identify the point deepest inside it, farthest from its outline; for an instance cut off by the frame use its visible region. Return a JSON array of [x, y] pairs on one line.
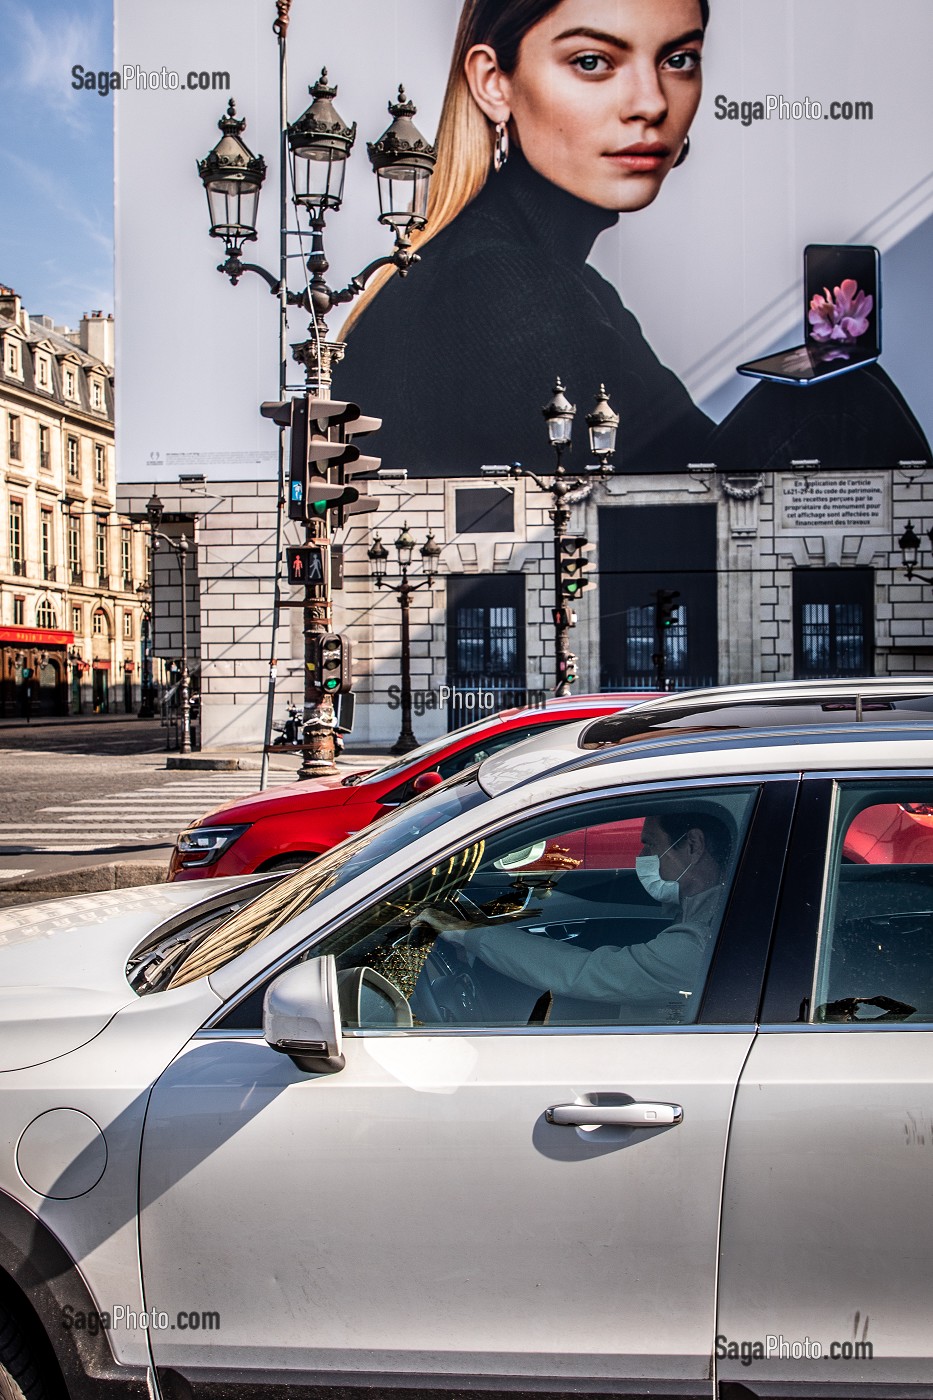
[[61, 348], [555, 761]]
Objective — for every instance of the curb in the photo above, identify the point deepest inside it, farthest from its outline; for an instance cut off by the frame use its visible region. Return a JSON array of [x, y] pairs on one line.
[[87, 879], [225, 765]]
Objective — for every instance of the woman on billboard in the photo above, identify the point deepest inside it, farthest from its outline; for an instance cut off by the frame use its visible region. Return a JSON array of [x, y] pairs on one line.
[[558, 118]]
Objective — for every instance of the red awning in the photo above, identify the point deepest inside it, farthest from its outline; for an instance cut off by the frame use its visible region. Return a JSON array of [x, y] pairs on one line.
[[36, 637]]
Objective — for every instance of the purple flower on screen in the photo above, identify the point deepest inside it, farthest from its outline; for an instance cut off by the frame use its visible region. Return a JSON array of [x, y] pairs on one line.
[[842, 315]]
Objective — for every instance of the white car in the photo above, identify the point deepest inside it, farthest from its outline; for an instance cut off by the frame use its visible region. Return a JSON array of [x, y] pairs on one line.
[[602, 1073]]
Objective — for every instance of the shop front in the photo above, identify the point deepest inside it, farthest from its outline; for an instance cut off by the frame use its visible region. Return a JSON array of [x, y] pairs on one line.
[[33, 672]]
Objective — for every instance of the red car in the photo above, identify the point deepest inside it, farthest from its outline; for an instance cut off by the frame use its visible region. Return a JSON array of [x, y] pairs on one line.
[[281, 830]]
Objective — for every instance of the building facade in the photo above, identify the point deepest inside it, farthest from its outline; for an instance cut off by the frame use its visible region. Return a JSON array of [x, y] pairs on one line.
[[794, 573], [73, 573]]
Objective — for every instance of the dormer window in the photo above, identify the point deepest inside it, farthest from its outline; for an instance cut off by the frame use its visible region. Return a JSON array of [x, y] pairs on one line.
[[42, 372], [13, 360], [70, 384], [97, 393]]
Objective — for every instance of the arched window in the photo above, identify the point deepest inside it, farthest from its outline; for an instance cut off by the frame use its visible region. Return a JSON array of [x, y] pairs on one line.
[[99, 624], [45, 615]]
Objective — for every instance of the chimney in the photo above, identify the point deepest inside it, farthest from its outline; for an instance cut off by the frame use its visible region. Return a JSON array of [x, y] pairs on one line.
[[95, 336], [12, 308]]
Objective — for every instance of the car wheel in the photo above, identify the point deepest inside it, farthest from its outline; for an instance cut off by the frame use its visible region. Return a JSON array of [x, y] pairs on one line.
[[20, 1376], [285, 865]]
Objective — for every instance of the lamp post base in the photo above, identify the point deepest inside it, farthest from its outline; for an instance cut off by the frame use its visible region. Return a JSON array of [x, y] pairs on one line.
[[405, 742]]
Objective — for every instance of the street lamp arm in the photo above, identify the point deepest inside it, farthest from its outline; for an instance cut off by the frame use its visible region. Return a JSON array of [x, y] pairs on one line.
[[402, 259], [234, 268], [912, 574]]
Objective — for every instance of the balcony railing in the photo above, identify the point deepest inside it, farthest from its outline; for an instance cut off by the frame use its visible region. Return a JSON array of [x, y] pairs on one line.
[[19, 567], [50, 573]]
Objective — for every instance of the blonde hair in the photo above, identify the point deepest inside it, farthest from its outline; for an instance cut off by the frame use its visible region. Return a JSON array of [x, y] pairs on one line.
[[464, 155]]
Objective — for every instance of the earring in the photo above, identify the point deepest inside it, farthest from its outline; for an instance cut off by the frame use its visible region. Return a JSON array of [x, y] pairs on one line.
[[500, 150], [684, 152]]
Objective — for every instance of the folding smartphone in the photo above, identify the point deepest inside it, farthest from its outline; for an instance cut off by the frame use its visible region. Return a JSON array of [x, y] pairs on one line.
[[842, 317]]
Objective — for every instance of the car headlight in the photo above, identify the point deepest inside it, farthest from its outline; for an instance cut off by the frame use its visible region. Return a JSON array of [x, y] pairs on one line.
[[203, 845]]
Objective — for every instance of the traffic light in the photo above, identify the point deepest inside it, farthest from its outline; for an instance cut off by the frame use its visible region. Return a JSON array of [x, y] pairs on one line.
[[305, 564], [567, 668], [573, 565], [666, 609], [564, 617], [320, 443], [332, 664]]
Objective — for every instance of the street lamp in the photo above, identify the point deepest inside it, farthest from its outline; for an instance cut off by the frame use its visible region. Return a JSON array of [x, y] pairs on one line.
[[603, 425], [909, 545], [154, 513], [316, 147], [378, 556], [179, 547]]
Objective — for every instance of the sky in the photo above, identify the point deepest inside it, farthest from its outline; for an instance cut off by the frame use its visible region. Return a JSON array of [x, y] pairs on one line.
[[56, 158]]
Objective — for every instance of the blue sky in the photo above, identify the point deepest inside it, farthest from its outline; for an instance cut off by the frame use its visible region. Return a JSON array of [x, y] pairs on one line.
[[56, 158]]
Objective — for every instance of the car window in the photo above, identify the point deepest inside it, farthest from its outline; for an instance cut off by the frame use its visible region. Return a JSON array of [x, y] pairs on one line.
[[474, 753], [537, 924], [295, 894], [876, 942]]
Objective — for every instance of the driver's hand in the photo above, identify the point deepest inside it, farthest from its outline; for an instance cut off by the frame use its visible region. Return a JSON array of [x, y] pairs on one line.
[[444, 923]]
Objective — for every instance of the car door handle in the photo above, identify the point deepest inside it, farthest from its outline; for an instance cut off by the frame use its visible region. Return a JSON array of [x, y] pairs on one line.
[[616, 1115]]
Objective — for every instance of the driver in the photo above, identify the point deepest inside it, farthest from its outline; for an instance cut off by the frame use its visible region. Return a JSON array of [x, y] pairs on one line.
[[682, 864]]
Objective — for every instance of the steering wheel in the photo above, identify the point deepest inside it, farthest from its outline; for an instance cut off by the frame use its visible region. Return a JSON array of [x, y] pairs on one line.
[[446, 993]]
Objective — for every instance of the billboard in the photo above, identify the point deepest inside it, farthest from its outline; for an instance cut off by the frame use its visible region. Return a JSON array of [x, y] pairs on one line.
[[627, 201]]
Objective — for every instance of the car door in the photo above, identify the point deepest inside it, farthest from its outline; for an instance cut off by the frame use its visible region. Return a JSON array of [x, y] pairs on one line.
[[827, 1238], [423, 1212]]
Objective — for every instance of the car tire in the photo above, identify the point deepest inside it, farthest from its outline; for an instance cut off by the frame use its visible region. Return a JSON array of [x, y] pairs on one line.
[[285, 865], [21, 1377]]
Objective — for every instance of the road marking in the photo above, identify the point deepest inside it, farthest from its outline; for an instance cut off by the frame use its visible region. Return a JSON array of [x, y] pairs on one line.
[[138, 818]]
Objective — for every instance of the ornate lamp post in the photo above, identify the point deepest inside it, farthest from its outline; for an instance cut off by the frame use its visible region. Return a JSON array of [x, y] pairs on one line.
[[154, 513], [909, 545], [564, 491], [179, 547], [316, 146], [378, 557]]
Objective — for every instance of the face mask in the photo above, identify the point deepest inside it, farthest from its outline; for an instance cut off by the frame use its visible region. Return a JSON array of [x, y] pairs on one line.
[[648, 870]]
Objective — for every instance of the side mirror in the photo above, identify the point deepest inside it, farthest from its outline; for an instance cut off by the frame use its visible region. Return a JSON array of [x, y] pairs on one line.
[[301, 1018], [370, 1000], [426, 781]]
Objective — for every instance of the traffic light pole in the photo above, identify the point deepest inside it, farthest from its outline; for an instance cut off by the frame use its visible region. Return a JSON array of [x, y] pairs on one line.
[[319, 357], [561, 517]]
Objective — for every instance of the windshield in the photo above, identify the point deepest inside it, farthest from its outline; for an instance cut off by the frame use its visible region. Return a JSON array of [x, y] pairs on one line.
[[424, 751], [297, 893]]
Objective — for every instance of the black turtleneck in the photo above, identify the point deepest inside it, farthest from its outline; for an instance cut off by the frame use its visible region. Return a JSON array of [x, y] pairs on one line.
[[458, 357]]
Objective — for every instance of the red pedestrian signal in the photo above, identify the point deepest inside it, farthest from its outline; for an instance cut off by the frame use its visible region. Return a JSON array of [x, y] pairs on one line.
[[304, 565]]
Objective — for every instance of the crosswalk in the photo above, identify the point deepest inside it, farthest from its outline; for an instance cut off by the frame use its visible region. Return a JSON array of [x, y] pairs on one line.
[[148, 816]]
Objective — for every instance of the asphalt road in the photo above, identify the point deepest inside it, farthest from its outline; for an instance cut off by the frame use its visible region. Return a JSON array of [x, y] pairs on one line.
[[86, 791]]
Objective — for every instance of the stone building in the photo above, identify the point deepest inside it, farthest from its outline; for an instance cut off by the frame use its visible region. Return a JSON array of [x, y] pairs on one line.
[[72, 570], [793, 573]]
